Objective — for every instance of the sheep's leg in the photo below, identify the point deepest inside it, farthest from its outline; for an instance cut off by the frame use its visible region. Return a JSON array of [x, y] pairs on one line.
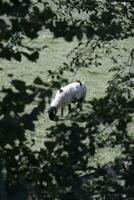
[[69, 108], [61, 111], [79, 105]]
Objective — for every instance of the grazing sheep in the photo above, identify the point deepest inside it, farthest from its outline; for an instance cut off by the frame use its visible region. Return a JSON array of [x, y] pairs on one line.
[[71, 93]]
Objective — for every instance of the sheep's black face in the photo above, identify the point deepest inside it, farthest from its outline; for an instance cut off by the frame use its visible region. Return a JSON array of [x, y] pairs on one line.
[[52, 113]]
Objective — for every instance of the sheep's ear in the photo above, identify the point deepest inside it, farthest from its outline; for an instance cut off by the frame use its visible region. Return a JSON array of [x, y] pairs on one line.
[[61, 90], [79, 82]]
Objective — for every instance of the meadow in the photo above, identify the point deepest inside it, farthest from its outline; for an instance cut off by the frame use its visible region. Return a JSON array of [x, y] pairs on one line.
[[51, 57]]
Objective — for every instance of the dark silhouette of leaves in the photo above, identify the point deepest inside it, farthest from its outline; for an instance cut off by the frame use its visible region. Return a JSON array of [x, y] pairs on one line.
[[107, 20], [62, 168]]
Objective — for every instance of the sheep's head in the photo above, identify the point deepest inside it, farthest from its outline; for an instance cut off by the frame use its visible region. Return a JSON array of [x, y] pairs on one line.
[[52, 113]]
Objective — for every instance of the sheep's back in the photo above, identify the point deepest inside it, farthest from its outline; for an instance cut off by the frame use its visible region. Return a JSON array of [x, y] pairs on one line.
[[78, 91]]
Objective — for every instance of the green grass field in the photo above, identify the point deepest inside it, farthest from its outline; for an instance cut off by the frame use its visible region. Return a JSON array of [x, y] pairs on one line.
[[51, 58]]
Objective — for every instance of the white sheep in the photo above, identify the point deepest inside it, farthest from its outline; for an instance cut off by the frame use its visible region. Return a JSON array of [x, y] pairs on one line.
[[73, 92]]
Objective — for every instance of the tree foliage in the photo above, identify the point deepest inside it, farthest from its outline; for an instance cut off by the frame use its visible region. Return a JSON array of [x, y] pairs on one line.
[[20, 20], [61, 169], [24, 19]]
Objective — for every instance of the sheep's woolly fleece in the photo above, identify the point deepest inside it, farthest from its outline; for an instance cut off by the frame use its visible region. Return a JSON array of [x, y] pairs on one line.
[[69, 93]]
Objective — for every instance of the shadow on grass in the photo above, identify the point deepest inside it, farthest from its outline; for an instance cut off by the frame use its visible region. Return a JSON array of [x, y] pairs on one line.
[[17, 115], [61, 168]]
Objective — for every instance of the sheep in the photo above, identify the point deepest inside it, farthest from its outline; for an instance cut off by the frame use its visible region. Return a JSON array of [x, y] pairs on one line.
[[71, 93]]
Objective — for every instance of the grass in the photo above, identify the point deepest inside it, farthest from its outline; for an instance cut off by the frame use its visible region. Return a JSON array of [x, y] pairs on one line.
[[51, 58]]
